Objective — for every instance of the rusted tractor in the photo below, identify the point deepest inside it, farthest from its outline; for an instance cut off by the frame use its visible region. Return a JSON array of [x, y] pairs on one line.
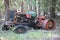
[[20, 23]]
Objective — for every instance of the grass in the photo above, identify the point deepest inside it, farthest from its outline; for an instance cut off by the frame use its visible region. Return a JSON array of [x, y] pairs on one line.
[[31, 35]]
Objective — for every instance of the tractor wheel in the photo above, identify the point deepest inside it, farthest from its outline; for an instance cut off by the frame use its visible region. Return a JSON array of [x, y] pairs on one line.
[[48, 24], [5, 27], [19, 30]]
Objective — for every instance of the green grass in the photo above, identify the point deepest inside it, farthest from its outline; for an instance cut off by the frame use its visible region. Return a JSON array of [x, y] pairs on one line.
[[31, 35]]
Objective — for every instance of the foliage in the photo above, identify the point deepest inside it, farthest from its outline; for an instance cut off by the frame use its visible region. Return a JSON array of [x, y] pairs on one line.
[[1, 6]]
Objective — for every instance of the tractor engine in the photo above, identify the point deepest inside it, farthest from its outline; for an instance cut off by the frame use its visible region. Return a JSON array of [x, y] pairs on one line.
[[45, 23]]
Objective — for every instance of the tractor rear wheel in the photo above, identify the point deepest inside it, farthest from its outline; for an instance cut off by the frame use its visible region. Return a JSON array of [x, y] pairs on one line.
[[20, 30]]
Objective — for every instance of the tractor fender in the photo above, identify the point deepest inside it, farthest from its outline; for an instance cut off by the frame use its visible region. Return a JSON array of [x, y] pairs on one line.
[[24, 26], [8, 23], [45, 23], [18, 26]]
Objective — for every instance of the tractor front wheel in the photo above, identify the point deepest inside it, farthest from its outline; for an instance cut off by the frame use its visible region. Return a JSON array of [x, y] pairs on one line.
[[48, 24]]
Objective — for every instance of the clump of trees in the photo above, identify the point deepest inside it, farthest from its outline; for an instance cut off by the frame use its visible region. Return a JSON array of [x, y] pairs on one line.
[[37, 5]]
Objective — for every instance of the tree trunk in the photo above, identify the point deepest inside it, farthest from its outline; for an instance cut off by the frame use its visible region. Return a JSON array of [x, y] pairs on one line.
[[52, 9], [30, 6], [35, 7], [39, 8], [6, 3], [22, 9]]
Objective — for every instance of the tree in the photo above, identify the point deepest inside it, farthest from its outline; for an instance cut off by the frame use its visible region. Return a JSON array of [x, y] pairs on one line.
[[39, 7], [6, 3], [35, 6], [52, 9]]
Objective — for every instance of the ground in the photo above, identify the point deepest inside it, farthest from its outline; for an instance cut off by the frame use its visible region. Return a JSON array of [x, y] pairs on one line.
[[34, 34], [31, 35]]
